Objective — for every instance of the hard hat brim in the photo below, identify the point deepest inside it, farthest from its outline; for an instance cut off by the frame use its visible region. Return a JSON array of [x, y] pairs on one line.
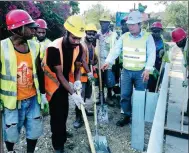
[[75, 33], [132, 22]]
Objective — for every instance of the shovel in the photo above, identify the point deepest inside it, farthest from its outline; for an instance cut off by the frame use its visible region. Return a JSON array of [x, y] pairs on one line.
[[102, 113], [100, 142], [89, 135], [1, 128]]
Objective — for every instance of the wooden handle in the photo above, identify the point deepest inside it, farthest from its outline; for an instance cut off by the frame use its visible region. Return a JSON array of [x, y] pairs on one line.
[[1, 134], [89, 135], [99, 64], [157, 84]]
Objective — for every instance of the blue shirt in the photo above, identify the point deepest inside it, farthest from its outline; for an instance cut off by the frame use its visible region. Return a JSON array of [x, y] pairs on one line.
[[150, 50]]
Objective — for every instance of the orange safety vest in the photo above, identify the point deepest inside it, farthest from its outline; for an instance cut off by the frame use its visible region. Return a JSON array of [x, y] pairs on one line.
[[51, 81], [84, 76]]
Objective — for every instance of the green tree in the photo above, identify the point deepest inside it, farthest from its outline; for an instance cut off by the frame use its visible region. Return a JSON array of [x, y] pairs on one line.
[[55, 13], [93, 14], [176, 13]]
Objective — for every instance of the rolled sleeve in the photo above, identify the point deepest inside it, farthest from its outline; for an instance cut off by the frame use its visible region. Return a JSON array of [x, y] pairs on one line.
[[115, 51], [151, 53]]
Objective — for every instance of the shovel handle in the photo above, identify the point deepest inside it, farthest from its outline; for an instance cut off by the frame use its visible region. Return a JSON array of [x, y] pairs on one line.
[[1, 134], [89, 135], [161, 68], [99, 64]]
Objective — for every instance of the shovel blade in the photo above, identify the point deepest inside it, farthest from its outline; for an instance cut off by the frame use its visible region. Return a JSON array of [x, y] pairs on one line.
[[101, 144], [102, 114]]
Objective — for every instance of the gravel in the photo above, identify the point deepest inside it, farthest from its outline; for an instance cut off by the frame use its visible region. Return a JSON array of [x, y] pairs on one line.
[[119, 138]]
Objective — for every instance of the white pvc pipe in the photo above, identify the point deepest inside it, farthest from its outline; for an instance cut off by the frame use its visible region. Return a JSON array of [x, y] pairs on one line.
[[155, 144]]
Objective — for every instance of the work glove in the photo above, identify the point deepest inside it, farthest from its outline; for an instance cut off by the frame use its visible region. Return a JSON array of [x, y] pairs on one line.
[[156, 73], [77, 85], [90, 76], [185, 83], [44, 104], [77, 99]]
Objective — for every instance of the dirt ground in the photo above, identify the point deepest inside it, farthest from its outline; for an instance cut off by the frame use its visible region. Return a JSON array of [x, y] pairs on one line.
[[119, 138]]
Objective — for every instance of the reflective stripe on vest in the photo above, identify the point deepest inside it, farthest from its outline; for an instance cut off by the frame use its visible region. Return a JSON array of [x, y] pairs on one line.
[[8, 73], [134, 52], [51, 81]]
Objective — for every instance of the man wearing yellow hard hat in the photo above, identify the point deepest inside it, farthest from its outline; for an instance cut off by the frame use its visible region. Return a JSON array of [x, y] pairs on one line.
[[59, 65], [106, 41], [86, 77]]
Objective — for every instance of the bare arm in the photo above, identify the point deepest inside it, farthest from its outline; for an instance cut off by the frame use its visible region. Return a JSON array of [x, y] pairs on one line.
[[84, 62], [62, 80]]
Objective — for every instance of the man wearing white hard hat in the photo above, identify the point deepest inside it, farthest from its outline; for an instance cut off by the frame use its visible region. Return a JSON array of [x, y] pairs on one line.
[[138, 49]]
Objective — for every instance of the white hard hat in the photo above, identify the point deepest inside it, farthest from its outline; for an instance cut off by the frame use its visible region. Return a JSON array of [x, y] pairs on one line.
[[134, 17]]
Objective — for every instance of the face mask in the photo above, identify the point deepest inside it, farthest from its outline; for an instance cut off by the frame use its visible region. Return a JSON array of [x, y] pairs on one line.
[[182, 43]]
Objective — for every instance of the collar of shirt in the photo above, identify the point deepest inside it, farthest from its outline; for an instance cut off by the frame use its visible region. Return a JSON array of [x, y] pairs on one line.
[[138, 36]]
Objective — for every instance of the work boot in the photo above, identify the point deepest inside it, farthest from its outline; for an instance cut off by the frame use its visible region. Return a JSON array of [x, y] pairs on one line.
[[79, 120], [110, 101], [123, 121]]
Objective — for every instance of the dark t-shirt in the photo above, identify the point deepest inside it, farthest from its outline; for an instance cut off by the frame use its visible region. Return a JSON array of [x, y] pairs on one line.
[[53, 59]]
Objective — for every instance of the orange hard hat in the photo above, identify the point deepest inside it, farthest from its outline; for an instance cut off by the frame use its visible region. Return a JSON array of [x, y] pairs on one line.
[[17, 18], [42, 23], [178, 34]]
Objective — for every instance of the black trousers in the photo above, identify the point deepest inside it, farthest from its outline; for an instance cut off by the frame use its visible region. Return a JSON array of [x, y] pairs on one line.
[[59, 107]]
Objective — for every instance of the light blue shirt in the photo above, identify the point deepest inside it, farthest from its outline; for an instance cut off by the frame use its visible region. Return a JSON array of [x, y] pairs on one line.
[[150, 50]]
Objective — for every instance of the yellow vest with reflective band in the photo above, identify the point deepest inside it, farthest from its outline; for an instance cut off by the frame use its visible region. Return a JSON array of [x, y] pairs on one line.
[[43, 46], [134, 52], [8, 72]]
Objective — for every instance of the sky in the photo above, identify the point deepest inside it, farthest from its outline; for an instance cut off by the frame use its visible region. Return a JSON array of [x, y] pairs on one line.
[[122, 6]]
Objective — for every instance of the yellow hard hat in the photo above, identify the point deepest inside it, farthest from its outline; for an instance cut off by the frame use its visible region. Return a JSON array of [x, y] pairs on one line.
[[91, 27], [75, 24], [105, 18]]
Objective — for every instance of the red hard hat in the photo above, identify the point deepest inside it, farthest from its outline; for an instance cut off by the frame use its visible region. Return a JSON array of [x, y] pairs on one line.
[[157, 25], [178, 34], [17, 18], [42, 23]]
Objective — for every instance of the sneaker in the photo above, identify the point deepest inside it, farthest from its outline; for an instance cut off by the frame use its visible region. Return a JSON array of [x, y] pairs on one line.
[[123, 121]]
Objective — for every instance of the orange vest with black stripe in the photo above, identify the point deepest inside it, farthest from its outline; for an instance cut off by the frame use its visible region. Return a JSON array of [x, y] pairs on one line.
[[84, 77], [51, 81]]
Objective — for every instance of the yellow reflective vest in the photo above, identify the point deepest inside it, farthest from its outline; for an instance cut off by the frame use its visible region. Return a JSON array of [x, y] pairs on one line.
[[134, 52], [8, 72], [43, 46]]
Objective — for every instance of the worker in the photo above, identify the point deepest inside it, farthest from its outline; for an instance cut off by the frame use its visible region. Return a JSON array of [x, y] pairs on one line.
[[179, 36], [107, 39], [124, 27], [60, 68], [91, 60], [20, 86], [111, 26], [41, 38], [161, 49], [138, 59]]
